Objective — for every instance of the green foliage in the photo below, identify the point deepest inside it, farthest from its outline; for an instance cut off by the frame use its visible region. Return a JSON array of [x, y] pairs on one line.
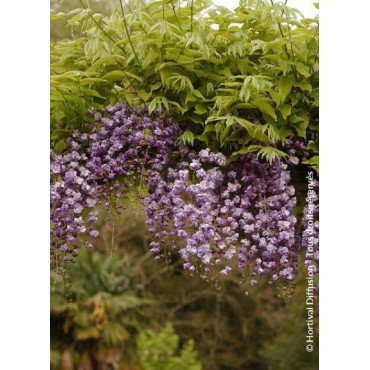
[[266, 152], [257, 64], [231, 330], [313, 162], [60, 28], [100, 308], [159, 351]]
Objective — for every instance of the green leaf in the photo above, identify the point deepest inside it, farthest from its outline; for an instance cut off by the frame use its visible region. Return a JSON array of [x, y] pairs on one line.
[[58, 133], [312, 146], [248, 149], [196, 118], [200, 109], [270, 153], [266, 152], [115, 76], [303, 69], [165, 75], [285, 110], [209, 128], [132, 75], [230, 121], [303, 85], [60, 147], [156, 86], [203, 138], [157, 103], [315, 95], [300, 123], [275, 96], [284, 65], [285, 85], [90, 92], [198, 94], [245, 123], [187, 137], [91, 80], [143, 95], [91, 47], [271, 130], [210, 88], [152, 106], [266, 107], [159, 66], [313, 162], [275, 44], [224, 134]]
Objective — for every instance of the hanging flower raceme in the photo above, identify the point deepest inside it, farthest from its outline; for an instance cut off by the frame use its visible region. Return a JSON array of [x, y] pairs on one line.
[[222, 212], [101, 166]]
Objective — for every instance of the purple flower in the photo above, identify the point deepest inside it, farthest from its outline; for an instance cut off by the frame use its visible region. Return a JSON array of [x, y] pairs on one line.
[[94, 233]]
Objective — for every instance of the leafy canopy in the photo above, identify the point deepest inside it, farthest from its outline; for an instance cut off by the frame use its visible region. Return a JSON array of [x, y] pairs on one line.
[[248, 75]]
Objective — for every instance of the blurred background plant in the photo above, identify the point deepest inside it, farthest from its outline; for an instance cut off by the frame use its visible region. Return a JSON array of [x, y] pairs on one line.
[[107, 307], [159, 351], [96, 309]]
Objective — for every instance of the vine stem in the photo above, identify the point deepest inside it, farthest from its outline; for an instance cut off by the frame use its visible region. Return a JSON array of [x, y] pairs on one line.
[[315, 59], [128, 35], [99, 26], [313, 39], [174, 13], [109, 37], [56, 272], [191, 15], [112, 240], [141, 180], [284, 46]]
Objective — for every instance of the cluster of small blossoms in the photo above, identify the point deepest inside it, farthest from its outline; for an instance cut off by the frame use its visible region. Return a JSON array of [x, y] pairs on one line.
[[213, 212], [310, 226], [296, 149], [71, 192], [102, 165], [223, 212]]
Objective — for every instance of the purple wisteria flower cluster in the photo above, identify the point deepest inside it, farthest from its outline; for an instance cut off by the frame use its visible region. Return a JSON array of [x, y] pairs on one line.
[[296, 148], [222, 212], [101, 165], [215, 215]]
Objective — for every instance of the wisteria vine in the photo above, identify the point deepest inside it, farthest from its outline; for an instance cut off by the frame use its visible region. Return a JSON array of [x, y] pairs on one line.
[[215, 215]]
